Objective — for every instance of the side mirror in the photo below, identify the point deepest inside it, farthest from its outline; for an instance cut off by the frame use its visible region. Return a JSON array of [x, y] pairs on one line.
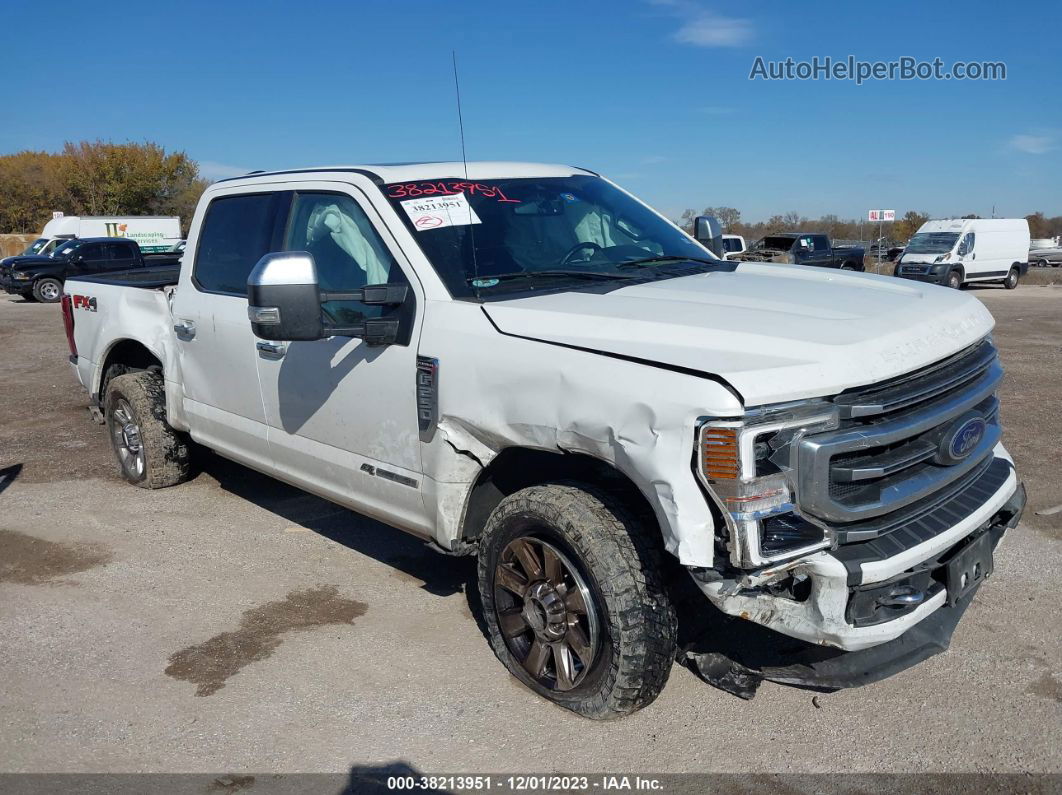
[[708, 231], [284, 302]]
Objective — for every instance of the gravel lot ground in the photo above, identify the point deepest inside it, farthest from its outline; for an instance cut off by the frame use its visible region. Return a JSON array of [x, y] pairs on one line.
[[235, 624]]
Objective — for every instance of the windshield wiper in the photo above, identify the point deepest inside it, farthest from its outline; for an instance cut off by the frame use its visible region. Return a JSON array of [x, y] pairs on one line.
[[504, 277], [648, 261]]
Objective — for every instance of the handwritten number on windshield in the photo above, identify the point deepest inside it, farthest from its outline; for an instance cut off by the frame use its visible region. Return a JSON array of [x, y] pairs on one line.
[[412, 190]]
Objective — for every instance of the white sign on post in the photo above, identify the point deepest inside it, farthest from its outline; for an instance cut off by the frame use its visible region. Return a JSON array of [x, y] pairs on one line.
[[888, 215], [57, 214], [873, 215]]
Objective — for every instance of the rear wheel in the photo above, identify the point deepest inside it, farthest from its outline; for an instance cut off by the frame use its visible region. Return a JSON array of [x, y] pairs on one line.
[[954, 280], [48, 290], [150, 453], [1012, 279], [573, 599]]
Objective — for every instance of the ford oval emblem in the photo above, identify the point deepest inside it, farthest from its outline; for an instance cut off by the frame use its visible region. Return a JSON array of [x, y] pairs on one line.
[[961, 439]]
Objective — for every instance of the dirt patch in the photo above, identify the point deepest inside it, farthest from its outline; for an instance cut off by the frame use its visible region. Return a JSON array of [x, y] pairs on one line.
[[209, 665], [27, 560], [231, 784], [1047, 687]]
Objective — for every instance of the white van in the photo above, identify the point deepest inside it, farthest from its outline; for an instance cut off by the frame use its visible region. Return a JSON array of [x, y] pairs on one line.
[[962, 250], [153, 233]]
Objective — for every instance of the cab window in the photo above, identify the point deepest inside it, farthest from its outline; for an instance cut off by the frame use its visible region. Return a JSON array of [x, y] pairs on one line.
[[237, 231], [967, 245], [346, 249]]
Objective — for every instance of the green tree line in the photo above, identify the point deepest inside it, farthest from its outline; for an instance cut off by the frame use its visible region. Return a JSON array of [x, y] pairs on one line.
[[96, 178], [901, 230]]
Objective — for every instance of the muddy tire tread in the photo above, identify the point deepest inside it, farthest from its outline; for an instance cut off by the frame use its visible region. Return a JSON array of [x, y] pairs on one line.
[[166, 452], [625, 557]]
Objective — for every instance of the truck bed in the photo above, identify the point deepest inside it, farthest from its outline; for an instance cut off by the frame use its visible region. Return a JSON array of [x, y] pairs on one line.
[[153, 277]]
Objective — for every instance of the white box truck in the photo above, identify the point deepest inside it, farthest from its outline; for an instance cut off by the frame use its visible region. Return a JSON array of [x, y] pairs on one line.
[[958, 251], [153, 233]]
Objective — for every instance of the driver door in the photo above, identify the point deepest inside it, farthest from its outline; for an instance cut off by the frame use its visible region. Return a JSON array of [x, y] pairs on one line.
[[342, 415]]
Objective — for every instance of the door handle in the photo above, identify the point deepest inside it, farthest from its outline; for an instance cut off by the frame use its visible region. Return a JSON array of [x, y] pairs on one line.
[[185, 328], [272, 350]]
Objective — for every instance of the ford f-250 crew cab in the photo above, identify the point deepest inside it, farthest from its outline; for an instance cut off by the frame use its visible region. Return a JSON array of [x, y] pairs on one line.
[[526, 363]]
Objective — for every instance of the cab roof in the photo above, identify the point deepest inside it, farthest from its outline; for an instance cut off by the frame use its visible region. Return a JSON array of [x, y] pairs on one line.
[[383, 173]]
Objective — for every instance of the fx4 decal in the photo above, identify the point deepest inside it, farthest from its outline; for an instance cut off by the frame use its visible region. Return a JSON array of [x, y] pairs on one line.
[[83, 302]]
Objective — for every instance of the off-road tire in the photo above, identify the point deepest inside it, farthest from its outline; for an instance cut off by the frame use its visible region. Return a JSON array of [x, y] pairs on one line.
[[954, 280], [620, 558], [48, 290], [166, 452], [1012, 279]]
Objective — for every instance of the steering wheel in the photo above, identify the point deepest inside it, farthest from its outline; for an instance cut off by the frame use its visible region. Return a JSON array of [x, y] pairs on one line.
[[579, 247]]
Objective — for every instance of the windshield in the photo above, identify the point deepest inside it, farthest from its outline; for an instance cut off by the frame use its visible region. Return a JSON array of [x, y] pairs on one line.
[[66, 248], [932, 243], [577, 229], [36, 246], [780, 243]]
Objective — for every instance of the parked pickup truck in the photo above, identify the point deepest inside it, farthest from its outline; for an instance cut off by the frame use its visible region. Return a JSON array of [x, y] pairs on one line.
[[529, 365], [41, 278], [802, 248]]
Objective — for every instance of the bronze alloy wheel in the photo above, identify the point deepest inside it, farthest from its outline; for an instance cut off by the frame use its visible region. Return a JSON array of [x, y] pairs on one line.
[[546, 613]]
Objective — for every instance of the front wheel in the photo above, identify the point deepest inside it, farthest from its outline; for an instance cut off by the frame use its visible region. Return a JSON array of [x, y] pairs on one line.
[[573, 599], [47, 290], [1012, 279], [954, 280]]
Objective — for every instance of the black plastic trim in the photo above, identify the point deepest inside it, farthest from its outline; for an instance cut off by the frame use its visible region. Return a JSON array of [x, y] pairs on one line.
[[969, 495]]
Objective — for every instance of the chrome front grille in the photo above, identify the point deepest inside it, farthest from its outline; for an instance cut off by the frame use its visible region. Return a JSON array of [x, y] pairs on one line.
[[886, 454]]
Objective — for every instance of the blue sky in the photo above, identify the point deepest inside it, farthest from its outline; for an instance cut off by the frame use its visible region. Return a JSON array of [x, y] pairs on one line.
[[653, 94]]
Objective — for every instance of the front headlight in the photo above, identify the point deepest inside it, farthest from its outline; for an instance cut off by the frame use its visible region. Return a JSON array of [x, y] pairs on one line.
[[20, 275], [745, 463]]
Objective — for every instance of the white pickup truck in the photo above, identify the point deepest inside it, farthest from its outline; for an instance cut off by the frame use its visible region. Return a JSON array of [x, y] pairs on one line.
[[526, 363]]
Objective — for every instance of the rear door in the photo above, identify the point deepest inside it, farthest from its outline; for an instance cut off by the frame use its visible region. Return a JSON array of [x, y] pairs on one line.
[[342, 415], [120, 256], [218, 357]]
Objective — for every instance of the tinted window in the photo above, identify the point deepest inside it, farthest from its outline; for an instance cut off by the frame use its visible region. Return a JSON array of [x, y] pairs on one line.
[[346, 249], [91, 251], [119, 251], [236, 233], [818, 242]]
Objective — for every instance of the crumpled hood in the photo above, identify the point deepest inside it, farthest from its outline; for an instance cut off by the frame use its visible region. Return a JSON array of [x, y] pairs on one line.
[[774, 332]]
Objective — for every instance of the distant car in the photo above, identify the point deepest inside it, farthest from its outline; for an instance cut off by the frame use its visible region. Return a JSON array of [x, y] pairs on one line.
[[41, 278], [1044, 253], [803, 248], [732, 244]]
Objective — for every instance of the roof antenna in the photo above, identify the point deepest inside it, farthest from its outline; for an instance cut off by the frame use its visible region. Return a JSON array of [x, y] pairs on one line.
[[464, 160], [460, 118]]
